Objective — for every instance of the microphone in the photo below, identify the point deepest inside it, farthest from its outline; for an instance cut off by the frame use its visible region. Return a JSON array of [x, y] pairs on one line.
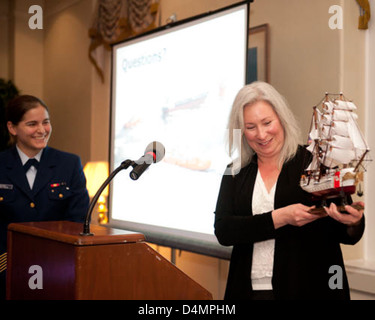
[[154, 152]]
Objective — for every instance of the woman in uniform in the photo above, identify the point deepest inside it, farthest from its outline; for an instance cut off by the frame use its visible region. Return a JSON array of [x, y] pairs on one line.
[[37, 182]]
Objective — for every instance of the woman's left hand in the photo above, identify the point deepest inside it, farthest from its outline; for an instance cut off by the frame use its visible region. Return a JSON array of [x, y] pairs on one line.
[[351, 218]]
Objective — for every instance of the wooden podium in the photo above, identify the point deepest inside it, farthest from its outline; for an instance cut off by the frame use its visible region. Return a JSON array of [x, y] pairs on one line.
[[110, 265]]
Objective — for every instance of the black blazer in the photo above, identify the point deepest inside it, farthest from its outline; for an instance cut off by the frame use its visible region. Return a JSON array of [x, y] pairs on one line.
[[303, 255]]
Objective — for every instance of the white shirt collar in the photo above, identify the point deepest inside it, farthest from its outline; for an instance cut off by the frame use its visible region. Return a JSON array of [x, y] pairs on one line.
[[24, 157]]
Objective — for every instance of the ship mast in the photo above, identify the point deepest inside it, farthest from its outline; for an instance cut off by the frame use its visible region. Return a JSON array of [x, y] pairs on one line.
[[361, 160], [321, 167]]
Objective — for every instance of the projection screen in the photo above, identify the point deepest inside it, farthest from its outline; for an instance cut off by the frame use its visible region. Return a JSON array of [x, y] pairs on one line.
[[176, 85]]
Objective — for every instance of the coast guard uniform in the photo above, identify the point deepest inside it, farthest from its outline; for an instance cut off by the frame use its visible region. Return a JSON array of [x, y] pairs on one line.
[[57, 193]]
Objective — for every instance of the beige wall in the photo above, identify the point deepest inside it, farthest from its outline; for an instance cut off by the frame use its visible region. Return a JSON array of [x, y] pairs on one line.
[[304, 52], [307, 59], [4, 39], [27, 50], [68, 75], [369, 250]]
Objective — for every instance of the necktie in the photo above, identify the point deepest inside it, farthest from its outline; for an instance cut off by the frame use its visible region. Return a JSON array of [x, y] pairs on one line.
[[29, 163]]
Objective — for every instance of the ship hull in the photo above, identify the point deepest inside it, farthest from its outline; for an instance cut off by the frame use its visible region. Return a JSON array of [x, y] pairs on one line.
[[333, 192], [330, 187]]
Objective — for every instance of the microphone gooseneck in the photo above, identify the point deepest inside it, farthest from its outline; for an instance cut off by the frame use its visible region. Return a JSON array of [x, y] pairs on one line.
[[154, 153], [86, 227]]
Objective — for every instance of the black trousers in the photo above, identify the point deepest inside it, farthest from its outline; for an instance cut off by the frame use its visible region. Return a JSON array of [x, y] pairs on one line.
[[262, 295]]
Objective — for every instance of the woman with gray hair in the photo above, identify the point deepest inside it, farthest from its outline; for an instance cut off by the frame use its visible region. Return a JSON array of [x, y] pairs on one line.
[[280, 249]]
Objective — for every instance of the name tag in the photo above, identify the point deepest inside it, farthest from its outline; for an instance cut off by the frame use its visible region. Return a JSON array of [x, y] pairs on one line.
[[6, 186]]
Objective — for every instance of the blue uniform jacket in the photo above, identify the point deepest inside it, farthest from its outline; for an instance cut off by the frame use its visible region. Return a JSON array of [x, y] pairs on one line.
[[59, 191]]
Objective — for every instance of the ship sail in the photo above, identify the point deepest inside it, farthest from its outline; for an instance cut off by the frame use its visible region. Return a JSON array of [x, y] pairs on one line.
[[337, 156]]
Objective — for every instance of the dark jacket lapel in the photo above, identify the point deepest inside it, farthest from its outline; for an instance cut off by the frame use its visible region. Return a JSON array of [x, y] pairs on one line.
[[45, 171], [16, 173]]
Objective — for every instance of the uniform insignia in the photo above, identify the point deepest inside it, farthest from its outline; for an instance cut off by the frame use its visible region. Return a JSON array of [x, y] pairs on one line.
[[6, 186]]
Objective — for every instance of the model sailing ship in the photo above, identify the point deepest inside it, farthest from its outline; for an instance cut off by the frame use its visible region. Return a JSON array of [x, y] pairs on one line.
[[339, 150]]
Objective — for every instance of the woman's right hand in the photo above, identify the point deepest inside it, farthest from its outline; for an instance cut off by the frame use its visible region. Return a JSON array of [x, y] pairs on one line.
[[296, 215]]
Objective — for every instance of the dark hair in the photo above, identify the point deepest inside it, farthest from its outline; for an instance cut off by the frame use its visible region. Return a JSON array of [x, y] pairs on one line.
[[20, 105]]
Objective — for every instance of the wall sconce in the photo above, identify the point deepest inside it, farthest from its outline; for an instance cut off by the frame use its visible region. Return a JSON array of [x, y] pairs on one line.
[[96, 173]]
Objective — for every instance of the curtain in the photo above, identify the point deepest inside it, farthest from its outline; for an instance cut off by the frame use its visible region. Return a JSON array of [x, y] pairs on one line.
[[365, 14], [116, 20]]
